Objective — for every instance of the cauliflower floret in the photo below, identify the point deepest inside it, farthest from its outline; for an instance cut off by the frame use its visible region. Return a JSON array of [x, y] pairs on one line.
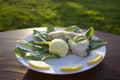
[[58, 47], [79, 48]]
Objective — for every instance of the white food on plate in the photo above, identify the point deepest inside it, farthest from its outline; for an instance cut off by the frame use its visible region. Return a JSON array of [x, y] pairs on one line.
[[79, 48], [58, 47], [62, 35]]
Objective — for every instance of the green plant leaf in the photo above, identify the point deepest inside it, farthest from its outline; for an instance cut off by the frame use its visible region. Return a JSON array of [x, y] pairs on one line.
[[35, 32], [73, 28], [94, 44], [68, 37], [49, 56], [90, 33], [80, 38], [28, 45], [40, 36], [77, 39], [20, 52], [50, 29], [43, 43], [25, 44], [33, 55]]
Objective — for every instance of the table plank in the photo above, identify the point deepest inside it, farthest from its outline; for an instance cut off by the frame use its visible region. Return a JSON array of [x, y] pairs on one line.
[[11, 69]]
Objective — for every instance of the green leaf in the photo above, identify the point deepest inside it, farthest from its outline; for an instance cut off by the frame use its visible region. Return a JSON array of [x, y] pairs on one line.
[[29, 45], [94, 44], [40, 36], [49, 56], [43, 46], [68, 37], [43, 43], [50, 29], [25, 44], [39, 55], [73, 28], [90, 33], [20, 52], [35, 32], [24, 53], [77, 39], [33, 55], [80, 38], [32, 42]]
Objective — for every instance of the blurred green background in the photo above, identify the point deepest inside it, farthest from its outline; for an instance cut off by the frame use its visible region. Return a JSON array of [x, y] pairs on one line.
[[103, 15]]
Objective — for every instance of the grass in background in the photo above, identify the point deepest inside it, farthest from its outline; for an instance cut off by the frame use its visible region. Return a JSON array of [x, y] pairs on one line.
[[104, 15]]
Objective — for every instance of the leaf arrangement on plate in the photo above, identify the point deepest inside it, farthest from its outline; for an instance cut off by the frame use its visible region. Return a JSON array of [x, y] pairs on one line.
[[38, 47]]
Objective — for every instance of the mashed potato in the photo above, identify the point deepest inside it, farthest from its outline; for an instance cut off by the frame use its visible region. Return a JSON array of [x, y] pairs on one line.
[[58, 47]]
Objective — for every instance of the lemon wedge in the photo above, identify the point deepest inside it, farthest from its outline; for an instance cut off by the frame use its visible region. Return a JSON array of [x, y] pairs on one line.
[[71, 67], [94, 59], [38, 64]]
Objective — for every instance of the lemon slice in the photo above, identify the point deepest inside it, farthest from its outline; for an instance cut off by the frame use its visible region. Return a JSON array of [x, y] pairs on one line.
[[94, 59], [38, 64], [71, 67]]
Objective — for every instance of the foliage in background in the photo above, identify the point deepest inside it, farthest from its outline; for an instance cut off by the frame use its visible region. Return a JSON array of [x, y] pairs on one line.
[[103, 15]]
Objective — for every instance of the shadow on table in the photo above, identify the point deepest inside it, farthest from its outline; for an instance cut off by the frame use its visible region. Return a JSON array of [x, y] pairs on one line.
[[86, 75]]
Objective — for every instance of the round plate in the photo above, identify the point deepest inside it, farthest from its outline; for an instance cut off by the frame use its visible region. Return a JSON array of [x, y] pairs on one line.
[[69, 59]]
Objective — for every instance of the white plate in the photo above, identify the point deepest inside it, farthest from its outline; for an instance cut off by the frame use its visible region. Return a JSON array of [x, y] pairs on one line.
[[69, 59]]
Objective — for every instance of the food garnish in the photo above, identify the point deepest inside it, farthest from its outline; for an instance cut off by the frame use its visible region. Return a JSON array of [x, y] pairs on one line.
[[38, 64], [94, 59], [71, 67]]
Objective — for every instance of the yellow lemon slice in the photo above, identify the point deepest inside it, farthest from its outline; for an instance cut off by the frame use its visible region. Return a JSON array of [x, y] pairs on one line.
[[71, 67], [38, 64], [94, 59]]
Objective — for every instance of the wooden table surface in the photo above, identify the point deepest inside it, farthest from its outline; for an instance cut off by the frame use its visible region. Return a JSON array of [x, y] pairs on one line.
[[12, 69]]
